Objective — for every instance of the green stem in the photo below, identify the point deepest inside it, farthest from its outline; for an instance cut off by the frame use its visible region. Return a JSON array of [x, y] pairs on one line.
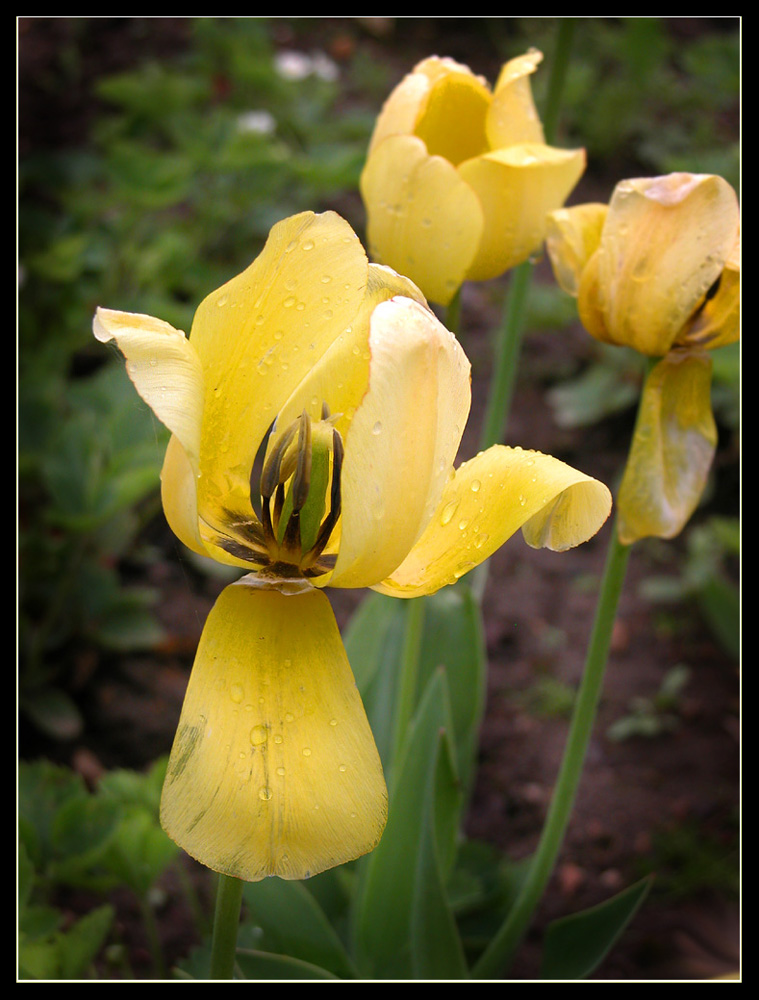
[[226, 922], [502, 948], [559, 67], [508, 347]]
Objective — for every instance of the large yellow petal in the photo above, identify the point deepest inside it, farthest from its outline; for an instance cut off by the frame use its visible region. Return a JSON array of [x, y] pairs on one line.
[[517, 187], [513, 117], [165, 369], [402, 441], [572, 237], [259, 334], [423, 219], [274, 770], [664, 244], [488, 500], [672, 449]]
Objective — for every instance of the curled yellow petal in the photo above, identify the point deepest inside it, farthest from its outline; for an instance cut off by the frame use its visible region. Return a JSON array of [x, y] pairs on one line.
[[424, 220], [274, 770], [165, 369], [490, 498], [672, 449]]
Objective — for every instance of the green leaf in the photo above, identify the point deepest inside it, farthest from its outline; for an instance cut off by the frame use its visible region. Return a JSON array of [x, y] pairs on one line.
[[262, 966], [453, 638], [422, 812], [294, 924], [576, 945]]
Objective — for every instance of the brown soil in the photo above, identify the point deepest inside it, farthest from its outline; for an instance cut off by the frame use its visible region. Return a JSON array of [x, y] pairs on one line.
[[537, 609]]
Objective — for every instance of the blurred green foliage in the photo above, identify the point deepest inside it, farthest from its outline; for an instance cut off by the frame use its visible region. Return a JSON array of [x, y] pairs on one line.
[[72, 838]]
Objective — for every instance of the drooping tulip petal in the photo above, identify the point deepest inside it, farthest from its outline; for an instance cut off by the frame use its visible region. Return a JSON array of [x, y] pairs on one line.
[[274, 770], [426, 221], [458, 179], [402, 441], [672, 449], [518, 186], [489, 499]]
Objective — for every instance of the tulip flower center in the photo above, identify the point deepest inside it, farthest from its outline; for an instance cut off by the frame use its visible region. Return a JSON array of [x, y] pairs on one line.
[[300, 496]]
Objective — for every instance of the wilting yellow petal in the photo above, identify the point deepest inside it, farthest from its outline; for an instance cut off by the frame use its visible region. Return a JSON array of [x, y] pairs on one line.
[[258, 336], [402, 441], [718, 322], [572, 236], [165, 369], [664, 244], [424, 221], [672, 449], [512, 117], [488, 500], [517, 187], [274, 770]]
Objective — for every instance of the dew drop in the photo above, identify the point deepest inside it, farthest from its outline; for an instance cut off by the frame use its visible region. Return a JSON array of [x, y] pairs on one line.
[[289, 302], [306, 751], [264, 793], [377, 429], [281, 771], [278, 739], [289, 716], [236, 693], [258, 735], [342, 768], [308, 245], [448, 511], [222, 301], [333, 722]]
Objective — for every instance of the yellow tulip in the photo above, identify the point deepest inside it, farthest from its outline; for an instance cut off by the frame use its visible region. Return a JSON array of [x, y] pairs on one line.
[[658, 270], [339, 377], [459, 179]]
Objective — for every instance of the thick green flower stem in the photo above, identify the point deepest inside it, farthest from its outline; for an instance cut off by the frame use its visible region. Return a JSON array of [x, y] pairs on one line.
[[226, 923], [500, 953]]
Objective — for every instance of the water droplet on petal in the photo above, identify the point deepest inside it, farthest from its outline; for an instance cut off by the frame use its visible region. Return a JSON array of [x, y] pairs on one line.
[[258, 735], [448, 511]]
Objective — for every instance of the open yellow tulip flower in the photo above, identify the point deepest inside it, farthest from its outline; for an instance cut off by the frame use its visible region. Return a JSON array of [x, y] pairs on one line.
[[658, 270], [459, 179], [334, 381]]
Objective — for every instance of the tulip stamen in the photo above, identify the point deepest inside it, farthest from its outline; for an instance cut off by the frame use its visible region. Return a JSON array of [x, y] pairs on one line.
[[300, 494]]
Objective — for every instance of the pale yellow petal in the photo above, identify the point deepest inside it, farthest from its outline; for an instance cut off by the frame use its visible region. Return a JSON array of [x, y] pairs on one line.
[[423, 219], [179, 496], [401, 109], [513, 117], [672, 449], [664, 244], [402, 441], [165, 369], [274, 770], [257, 337], [572, 236], [517, 188], [490, 498]]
